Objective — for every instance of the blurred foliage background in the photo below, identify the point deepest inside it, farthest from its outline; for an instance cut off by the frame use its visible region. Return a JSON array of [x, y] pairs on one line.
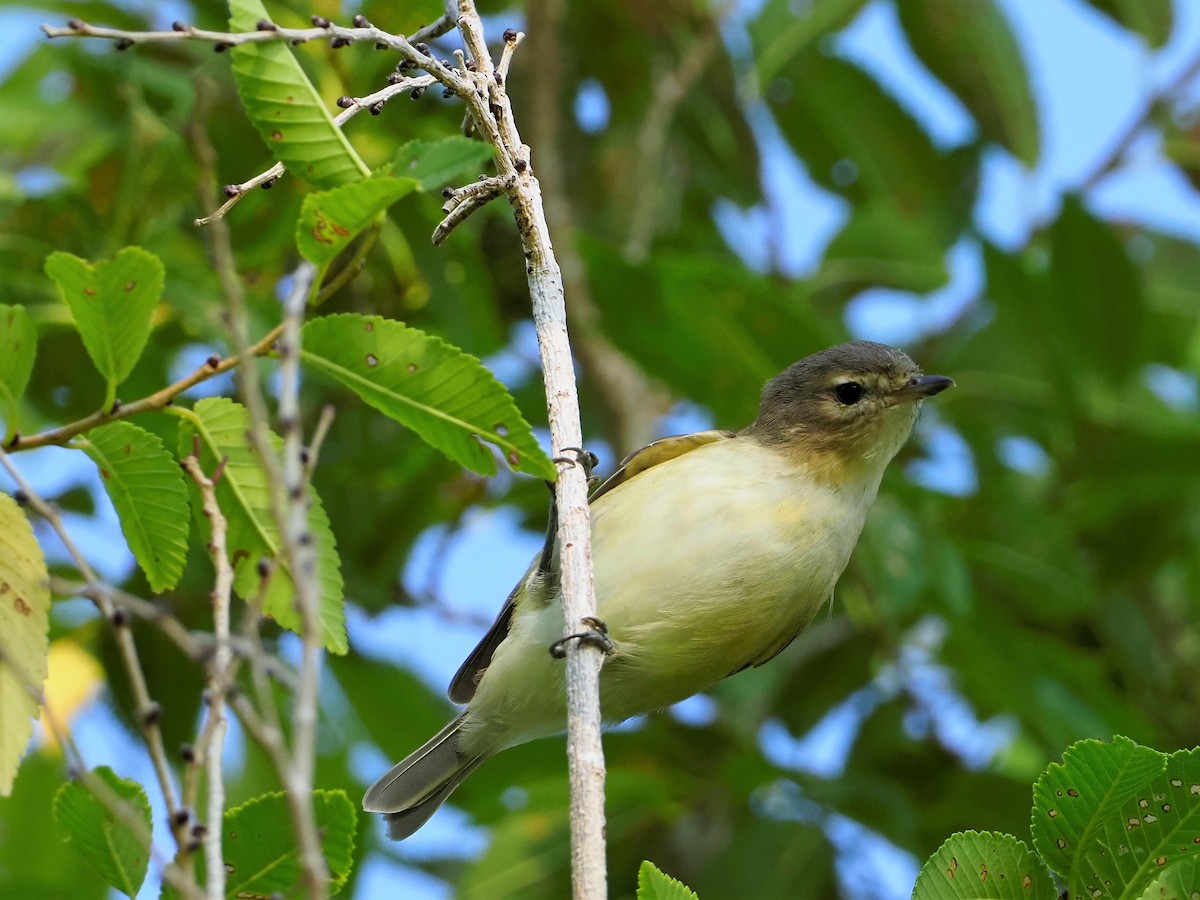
[[1030, 575]]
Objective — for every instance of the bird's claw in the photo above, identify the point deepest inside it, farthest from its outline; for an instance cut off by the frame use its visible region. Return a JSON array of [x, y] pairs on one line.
[[596, 636], [584, 458]]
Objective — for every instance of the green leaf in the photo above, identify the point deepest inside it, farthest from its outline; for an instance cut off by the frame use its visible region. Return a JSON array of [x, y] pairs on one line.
[[260, 850], [244, 497], [1180, 880], [879, 247], [443, 394], [18, 347], [24, 634], [653, 884], [331, 219], [149, 494], [785, 29], [976, 865], [861, 144], [968, 45], [112, 302], [103, 838], [1152, 19], [286, 108], [1077, 803], [435, 164]]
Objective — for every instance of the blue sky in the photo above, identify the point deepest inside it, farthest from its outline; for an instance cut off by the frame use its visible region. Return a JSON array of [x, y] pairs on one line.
[[1091, 80]]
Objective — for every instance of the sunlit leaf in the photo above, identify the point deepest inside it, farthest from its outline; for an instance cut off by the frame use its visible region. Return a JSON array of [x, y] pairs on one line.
[[1078, 804], [104, 838], [18, 346], [440, 392], [330, 220], [112, 302], [437, 164], [968, 45], [986, 865], [244, 497], [654, 884], [24, 634], [286, 108], [147, 489]]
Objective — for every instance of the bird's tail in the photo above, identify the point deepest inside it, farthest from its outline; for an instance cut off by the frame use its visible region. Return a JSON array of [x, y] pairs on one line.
[[416, 786]]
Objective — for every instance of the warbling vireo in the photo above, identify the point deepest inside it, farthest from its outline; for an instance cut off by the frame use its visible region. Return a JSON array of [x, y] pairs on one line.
[[712, 551]]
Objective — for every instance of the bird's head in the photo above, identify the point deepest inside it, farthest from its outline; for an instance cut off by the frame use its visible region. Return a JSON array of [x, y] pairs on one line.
[[849, 407]]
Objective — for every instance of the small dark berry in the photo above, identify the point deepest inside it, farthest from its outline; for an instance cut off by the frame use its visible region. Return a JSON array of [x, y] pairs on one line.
[[377, 108], [265, 25], [423, 49], [187, 753], [220, 47], [447, 192], [345, 102], [179, 26], [394, 78], [75, 24], [119, 617], [213, 361], [181, 817], [339, 42], [520, 165], [199, 830], [379, 46], [231, 190], [320, 21], [268, 184], [123, 44], [403, 65], [361, 22], [416, 93], [447, 93], [510, 35]]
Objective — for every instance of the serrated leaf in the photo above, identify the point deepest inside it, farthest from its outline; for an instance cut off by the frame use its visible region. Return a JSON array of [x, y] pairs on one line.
[[286, 108], [102, 837], [443, 394], [987, 865], [24, 634], [1076, 802], [18, 347], [968, 45], [260, 849], [1156, 826], [330, 220], [244, 497], [148, 491], [112, 302], [654, 884], [435, 164], [1180, 880]]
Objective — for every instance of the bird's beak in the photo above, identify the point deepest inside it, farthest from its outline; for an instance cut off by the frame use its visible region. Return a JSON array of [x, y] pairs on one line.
[[923, 386]]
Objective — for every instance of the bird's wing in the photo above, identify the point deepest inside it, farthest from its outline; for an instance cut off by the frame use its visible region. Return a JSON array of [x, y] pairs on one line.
[[466, 679], [658, 452]]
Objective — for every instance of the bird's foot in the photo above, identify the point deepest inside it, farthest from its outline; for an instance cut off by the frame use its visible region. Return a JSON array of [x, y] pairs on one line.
[[596, 636], [585, 459]]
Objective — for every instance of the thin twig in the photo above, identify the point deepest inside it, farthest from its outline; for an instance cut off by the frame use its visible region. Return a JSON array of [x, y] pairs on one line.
[[212, 744], [489, 104], [300, 549]]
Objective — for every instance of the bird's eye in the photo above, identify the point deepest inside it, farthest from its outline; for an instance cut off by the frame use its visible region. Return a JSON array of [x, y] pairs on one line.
[[848, 393]]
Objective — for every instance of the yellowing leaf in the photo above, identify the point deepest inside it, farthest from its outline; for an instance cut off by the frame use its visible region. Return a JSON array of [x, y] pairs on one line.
[[24, 634]]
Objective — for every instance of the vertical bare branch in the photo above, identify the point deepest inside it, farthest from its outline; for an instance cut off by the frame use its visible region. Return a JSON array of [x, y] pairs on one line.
[[489, 104]]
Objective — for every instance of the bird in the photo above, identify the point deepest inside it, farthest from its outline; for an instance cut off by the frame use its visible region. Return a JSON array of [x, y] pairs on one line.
[[712, 551]]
